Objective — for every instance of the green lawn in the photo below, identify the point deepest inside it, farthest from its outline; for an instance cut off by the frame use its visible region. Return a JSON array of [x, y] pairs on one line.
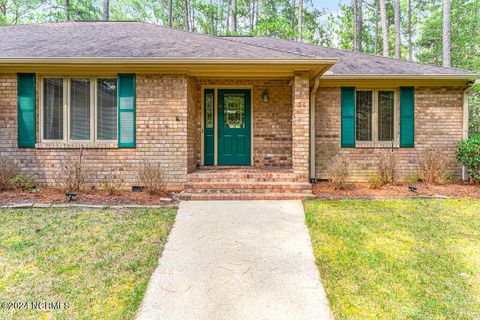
[[98, 262], [398, 259]]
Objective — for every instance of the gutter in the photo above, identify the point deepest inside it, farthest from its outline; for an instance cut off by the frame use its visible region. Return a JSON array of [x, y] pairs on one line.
[[160, 60], [471, 76], [465, 119], [313, 95]]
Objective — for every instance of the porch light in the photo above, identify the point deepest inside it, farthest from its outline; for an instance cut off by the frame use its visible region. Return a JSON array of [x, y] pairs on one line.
[[265, 95]]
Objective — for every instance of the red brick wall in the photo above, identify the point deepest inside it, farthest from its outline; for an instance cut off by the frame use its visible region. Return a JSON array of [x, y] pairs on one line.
[[193, 114], [301, 124], [438, 123], [161, 136]]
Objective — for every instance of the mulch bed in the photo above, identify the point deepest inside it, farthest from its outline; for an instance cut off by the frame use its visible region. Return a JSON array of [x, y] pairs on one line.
[[324, 190], [91, 197]]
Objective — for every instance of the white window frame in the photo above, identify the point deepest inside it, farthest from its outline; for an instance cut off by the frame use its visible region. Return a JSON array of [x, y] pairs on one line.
[[66, 110], [375, 117]]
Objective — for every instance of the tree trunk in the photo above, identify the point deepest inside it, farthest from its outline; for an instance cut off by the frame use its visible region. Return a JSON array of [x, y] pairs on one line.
[[383, 15], [234, 24], [228, 16], [355, 18], [3, 8], [410, 49], [67, 10], [446, 33], [377, 13], [292, 17], [212, 21], [358, 25], [300, 22], [192, 14], [170, 13], [106, 10], [187, 24], [252, 17], [397, 29]]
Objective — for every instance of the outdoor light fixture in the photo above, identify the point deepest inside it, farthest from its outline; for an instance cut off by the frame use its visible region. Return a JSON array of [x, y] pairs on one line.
[[265, 95]]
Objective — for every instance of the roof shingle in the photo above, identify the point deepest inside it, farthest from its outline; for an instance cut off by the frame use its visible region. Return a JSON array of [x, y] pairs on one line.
[[351, 63], [145, 40]]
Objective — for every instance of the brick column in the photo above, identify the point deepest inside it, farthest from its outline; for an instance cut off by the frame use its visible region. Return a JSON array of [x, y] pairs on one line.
[[300, 124]]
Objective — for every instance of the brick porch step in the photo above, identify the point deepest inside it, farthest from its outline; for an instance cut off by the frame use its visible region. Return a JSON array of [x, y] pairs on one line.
[[248, 187], [243, 177], [245, 184], [242, 196]]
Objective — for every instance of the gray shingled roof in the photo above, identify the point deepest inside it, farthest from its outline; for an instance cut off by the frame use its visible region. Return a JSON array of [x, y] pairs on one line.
[[351, 63], [121, 39], [145, 40]]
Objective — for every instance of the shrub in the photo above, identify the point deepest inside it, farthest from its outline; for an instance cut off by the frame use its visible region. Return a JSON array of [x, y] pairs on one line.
[[338, 171], [387, 168], [468, 154], [110, 187], [8, 170], [412, 178], [151, 177], [375, 182], [74, 174], [433, 165], [23, 182]]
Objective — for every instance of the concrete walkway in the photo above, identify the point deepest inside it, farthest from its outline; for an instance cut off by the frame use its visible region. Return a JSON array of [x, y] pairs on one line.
[[237, 260]]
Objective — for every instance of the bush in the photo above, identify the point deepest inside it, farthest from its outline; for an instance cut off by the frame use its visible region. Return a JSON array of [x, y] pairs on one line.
[[110, 187], [468, 154], [387, 168], [151, 177], [74, 174], [23, 182], [338, 171], [412, 178], [8, 170], [375, 182], [433, 165]]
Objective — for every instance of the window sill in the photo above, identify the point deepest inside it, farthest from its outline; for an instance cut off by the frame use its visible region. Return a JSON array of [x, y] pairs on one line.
[[363, 145], [70, 145]]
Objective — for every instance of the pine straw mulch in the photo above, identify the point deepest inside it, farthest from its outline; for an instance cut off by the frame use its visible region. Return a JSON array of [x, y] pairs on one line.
[[324, 190], [49, 196]]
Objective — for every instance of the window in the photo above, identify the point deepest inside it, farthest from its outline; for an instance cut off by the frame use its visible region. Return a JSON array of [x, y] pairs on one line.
[[79, 109], [375, 119], [234, 111], [209, 110]]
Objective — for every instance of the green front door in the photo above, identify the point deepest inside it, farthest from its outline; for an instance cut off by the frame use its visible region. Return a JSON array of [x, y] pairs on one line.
[[234, 128]]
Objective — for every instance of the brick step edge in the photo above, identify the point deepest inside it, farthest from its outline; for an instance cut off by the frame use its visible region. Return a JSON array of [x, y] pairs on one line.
[[251, 196], [248, 185], [246, 191]]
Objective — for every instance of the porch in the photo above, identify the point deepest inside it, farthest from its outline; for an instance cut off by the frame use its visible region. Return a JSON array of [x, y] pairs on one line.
[[250, 123], [248, 139]]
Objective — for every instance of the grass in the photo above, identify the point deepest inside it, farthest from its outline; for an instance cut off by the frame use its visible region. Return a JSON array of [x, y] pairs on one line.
[[398, 259], [97, 262]]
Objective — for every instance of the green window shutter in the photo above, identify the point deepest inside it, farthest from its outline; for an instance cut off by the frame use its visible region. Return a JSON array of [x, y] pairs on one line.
[[26, 95], [407, 117], [348, 117], [126, 111]]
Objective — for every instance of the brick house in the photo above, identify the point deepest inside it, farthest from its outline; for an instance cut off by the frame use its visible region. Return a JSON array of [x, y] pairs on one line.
[[255, 116]]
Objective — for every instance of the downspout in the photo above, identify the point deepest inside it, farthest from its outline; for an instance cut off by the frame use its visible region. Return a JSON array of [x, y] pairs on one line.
[[465, 119], [313, 94]]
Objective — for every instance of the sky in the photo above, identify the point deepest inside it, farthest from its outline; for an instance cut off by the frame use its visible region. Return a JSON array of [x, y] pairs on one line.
[[331, 6]]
